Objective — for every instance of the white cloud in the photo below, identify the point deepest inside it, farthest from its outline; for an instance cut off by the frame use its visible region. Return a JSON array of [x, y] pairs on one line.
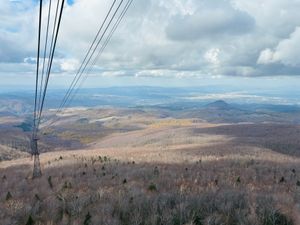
[[267, 56], [69, 65], [114, 74], [30, 60], [286, 52], [212, 56]]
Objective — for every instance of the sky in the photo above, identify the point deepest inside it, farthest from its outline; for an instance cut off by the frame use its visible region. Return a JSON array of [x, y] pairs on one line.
[[161, 43]]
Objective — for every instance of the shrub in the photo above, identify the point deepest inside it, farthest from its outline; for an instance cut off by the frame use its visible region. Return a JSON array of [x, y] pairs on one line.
[[216, 182], [197, 220], [37, 197], [276, 218], [87, 220], [30, 221], [50, 182], [268, 215], [176, 219], [8, 196], [156, 171], [281, 180], [152, 187], [67, 185]]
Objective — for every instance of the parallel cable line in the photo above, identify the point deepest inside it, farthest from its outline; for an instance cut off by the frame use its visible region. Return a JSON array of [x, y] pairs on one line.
[[110, 34], [37, 70], [90, 57], [51, 61], [45, 53], [50, 52], [87, 54], [39, 100], [103, 47], [98, 55]]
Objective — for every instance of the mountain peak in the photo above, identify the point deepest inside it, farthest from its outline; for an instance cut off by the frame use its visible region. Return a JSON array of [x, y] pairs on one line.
[[219, 104]]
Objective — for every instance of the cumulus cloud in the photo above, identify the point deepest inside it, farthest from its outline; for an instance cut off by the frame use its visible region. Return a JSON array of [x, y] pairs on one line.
[[267, 56], [216, 18], [286, 52]]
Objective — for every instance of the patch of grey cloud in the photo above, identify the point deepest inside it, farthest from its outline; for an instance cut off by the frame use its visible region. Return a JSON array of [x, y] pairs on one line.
[[16, 31], [209, 23]]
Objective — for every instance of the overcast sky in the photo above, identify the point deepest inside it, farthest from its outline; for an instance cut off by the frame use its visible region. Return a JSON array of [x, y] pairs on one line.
[[160, 42]]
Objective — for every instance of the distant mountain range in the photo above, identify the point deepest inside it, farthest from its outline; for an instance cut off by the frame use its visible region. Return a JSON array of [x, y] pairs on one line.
[[169, 101], [222, 112]]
